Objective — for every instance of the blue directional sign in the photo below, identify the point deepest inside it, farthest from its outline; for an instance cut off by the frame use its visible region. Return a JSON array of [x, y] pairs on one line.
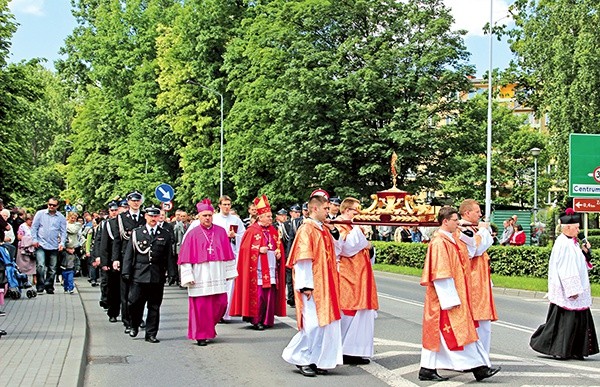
[[164, 193]]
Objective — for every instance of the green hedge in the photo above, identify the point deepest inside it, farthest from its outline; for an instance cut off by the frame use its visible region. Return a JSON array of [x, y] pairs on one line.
[[522, 261], [594, 231]]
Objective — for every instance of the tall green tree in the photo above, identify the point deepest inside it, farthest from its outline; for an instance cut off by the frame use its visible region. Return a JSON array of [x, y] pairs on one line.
[[326, 91], [512, 162], [557, 44], [190, 56], [33, 111], [111, 61]]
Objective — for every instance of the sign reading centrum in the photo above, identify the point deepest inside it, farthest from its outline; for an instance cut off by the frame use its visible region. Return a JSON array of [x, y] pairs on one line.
[[584, 165]]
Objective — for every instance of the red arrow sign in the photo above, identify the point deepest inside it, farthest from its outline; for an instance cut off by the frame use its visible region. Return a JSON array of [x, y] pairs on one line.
[[586, 205]]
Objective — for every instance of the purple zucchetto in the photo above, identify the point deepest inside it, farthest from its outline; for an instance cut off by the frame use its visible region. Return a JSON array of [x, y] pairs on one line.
[[205, 205]]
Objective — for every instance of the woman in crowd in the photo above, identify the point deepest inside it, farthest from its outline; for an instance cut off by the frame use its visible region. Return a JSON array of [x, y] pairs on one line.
[[26, 251]]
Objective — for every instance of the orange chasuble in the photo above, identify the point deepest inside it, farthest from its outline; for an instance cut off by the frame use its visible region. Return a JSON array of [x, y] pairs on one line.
[[244, 301], [444, 261], [317, 245], [480, 283], [357, 282]]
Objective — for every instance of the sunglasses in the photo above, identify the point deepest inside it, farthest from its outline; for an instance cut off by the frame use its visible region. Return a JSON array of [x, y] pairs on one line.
[[52, 205]]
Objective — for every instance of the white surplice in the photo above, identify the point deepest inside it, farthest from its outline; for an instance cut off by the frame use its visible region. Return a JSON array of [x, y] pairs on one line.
[[313, 344]]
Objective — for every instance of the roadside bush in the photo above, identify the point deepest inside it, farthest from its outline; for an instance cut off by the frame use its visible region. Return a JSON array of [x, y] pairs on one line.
[[522, 261]]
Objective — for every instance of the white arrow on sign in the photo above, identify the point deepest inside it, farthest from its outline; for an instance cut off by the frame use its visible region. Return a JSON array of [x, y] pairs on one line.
[[165, 194]]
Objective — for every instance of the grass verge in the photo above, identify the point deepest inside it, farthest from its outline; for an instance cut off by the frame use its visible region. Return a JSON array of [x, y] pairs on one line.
[[501, 281]]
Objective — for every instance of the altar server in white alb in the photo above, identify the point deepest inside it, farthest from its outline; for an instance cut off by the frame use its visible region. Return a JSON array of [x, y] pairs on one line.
[[358, 292], [449, 336], [477, 238], [317, 346], [235, 230], [569, 331]]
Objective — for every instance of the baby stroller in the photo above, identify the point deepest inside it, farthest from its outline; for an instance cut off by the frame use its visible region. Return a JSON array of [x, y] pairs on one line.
[[16, 280]]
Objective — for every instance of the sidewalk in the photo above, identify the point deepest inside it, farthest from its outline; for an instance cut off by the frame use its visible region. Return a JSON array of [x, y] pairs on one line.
[[46, 340]]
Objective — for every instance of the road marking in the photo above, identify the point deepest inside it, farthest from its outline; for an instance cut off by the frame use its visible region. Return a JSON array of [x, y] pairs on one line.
[[385, 375], [379, 341], [516, 327], [403, 300]]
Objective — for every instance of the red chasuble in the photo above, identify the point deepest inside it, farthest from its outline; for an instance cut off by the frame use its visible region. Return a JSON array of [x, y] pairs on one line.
[[245, 293], [444, 261], [318, 246]]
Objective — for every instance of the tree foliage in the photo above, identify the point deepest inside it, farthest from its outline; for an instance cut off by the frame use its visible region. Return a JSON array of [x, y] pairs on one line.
[[512, 162], [315, 94], [557, 44], [325, 92]]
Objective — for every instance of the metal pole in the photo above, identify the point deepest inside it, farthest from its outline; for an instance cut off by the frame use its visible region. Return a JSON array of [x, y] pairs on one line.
[[222, 131], [221, 186], [535, 203], [488, 172]]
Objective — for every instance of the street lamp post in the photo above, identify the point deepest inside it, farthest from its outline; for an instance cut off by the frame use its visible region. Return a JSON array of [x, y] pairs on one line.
[[535, 152], [488, 169], [221, 159]]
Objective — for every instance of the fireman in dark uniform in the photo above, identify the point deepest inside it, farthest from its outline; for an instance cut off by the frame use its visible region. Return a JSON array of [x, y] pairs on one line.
[[126, 223], [144, 267], [110, 279]]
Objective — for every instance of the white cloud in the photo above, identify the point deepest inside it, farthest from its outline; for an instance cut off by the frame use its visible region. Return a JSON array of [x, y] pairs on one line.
[[472, 15], [31, 7]]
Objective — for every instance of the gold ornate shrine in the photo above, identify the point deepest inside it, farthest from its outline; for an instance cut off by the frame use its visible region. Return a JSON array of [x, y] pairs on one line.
[[394, 207]]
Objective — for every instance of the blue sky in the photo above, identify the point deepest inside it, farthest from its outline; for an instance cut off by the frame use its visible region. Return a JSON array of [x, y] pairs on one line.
[[44, 25]]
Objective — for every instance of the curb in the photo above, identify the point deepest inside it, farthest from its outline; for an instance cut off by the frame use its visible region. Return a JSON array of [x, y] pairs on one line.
[[77, 352]]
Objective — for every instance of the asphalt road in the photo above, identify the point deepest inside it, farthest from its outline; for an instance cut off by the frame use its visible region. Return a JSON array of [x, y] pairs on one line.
[[241, 356]]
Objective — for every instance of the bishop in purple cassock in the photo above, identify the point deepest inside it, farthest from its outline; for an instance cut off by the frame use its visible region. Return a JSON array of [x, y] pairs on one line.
[[207, 262]]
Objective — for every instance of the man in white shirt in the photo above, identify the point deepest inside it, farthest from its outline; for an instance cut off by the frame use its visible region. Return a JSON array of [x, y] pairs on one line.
[[235, 230]]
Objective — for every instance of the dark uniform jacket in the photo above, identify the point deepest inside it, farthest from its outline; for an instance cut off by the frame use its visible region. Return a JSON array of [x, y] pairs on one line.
[[125, 226], [107, 231], [146, 257], [295, 223]]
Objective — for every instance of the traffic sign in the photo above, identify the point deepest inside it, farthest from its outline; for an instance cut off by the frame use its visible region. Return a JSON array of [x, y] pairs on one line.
[[586, 205], [68, 208], [166, 206], [584, 165], [164, 192]]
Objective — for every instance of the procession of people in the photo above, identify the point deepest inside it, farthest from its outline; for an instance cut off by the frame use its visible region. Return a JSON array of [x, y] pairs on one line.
[[321, 265]]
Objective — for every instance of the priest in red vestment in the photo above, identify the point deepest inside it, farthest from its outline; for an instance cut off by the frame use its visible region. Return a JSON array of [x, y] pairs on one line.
[[259, 293]]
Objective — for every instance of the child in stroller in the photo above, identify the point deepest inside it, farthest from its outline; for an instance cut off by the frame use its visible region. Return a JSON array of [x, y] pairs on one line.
[[15, 279]]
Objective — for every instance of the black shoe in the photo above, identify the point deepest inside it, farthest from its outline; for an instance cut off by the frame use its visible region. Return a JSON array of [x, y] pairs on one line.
[[202, 343], [291, 303], [152, 339], [484, 372], [172, 281], [142, 324], [318, 371], [103, 304], [259, 327], [112, 319], [307, 371], [127, 330], [355, 360], [431, 375], [133, 332], [2, 332], [49, 291], [2, 313], [94, 283]]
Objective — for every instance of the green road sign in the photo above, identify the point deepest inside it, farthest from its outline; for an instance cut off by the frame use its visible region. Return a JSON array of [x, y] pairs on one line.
[[584, 165]]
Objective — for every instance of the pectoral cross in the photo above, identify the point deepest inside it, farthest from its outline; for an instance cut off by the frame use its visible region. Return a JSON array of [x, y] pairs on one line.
[[447, 328], [210, 249]]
